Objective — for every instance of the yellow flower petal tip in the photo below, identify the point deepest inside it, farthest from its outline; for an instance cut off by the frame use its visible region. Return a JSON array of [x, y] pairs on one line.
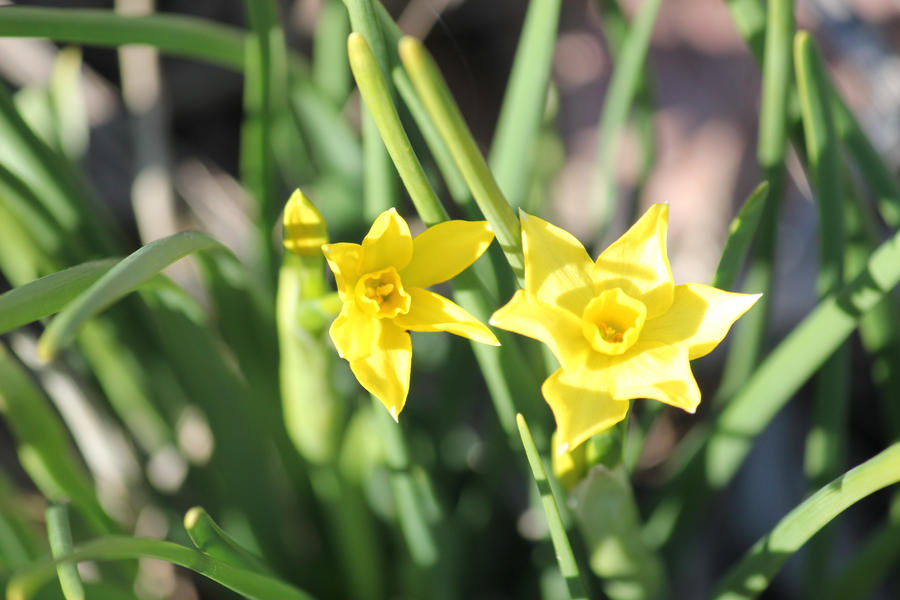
[[382, 285], [304, 228], [619, 326]]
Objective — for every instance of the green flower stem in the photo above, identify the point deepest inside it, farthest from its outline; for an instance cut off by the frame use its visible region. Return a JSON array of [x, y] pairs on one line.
[[243, 581], [722, 450], [749, 337], [60, 537], [376, 95], [456, 184], [442, 108], [411, 513], [378, 179], [623, 88], [568, 566], [179, 35], [524, 100], [754, 572]]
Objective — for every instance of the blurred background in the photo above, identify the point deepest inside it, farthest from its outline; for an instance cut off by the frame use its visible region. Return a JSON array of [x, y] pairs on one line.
[[163, 141]]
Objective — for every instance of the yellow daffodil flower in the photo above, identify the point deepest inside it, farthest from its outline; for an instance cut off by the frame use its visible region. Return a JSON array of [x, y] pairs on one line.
[[619, 326], [382, 285]]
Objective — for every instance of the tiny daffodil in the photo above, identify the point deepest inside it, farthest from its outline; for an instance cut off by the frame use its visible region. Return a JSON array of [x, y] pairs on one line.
[[382, 285], [619, 326]]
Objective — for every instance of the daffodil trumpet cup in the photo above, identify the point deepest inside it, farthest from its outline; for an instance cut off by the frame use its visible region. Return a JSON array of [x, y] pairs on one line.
[[618, 326]]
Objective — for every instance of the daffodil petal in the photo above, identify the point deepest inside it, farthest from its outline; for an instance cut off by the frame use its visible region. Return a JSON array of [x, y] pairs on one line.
[[352, 332], [700, 317], [432, 312], [385, 372], [580, 410], [658, 372], [388, 243], [445, 250], [527, 315], [557, 267], [344, 261], [637, 262]]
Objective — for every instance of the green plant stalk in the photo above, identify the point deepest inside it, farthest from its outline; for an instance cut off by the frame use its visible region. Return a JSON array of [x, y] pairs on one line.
[[138, 268], [456, 184], [826, 440], [568, 566], [754, 572], [377, 98], [414, 523], [175, 34], [60, 537], [623, 88], [722, 449], [264, 85], [380, 185], [243, 581], [749, 336], [436, 97], [524, 100], [329, 68]]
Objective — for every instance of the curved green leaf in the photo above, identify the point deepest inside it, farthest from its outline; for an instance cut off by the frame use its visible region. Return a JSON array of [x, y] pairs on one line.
[[754, 572], [48, 295], [740, 234], [139, 267], [243, 581]]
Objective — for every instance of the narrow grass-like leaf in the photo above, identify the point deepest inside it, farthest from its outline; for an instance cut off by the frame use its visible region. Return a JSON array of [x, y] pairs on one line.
[[568, 566], [754, 572], [375, 93], [121, 279], [740, 234], [414, 522], [213, 541], [826, 440], [61, 544], [48, 295], [749, 336], [329, 68], [243, 581], [175, 34], [619, 98], [439, 102], [724, 447], [524, 100], [43, 445], [265, 88]]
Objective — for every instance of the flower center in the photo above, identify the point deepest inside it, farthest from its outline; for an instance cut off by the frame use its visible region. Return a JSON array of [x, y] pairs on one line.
[[612, 321], [381, 294]]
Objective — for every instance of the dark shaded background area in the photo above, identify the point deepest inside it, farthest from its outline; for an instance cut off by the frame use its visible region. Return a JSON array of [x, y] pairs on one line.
[[705, 89]]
